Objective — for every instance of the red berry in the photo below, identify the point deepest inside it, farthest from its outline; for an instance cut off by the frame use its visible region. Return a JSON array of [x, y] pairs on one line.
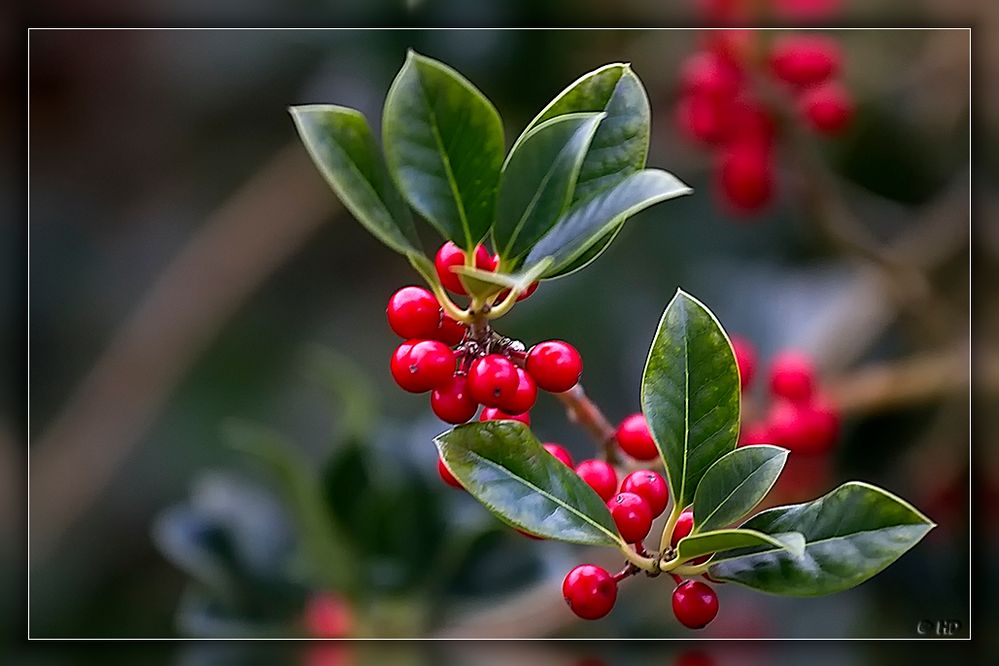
[[328, 616], [450, 255], [452, 403], [555, 365], [533, 287], [745, 358], [635, 439], [492, 380], [449, 331], [824, 424], [709, 74], [804, 60], [559, 452], [446, 475], [745, 177], [806, 9], [413, 312], [496, 414], [600, 476], [734, 46], [590, 591], [684, 524], [750, 124], [809, 427], [694, 604], [755, 433], [522, 399], [650, 486], [632, 516], [828, 108], [421, 365], [792, 376], [703, 118]]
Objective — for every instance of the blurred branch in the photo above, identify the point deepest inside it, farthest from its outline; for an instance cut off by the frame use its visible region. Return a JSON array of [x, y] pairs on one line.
[[240, 244], [918, 380], [580, 409]]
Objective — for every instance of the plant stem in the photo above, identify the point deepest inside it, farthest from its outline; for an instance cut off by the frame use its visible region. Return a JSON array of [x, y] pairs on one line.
[[504, 306], [649, 564], [580, 409], [664, 541]]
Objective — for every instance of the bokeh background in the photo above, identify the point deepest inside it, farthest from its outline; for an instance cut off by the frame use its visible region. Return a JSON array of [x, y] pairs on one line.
[[189, 267]]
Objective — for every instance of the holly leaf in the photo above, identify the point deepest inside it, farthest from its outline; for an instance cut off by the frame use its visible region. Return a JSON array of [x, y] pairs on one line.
[[736, 483], [690, 394], [342, 147], [443, 144], [621, 143], [506, 469], [851, 534], [589, 223], [717, 541], [538, 181]]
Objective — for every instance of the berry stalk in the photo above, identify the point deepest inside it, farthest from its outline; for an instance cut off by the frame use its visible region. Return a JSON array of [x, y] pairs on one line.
[[580, 409]]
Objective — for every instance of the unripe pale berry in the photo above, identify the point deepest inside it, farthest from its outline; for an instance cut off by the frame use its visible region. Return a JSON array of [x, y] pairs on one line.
[[694, 604], [523, 397], [745, 177], [446, 475], [492, 380], [452, 403], [600, 476], [745, 358], [792, 376], [635, 439], [590, 591], [555, 365], [421, 365], [650, 486], [497, 414], [450, 255], [449, 331], [559, 452], [805, 60], [413, 312], [632, 516], [828, 108]]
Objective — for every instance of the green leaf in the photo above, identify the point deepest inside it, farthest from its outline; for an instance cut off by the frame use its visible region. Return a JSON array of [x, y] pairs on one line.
[[718, 541], [621, 143], [444, 147], [690, 394], [504, 467], [341, 144], [586, 224], [850, 534], [329, 557], [538, 181], [736, 483]]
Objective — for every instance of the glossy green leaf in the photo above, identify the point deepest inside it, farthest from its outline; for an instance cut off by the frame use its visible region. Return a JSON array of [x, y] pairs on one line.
[[718, 541], [621, 143], [588, 223], [504, 467], [341, 144], [444, 147], [850, 535], [690, 394], [736, 483], [538, 181]]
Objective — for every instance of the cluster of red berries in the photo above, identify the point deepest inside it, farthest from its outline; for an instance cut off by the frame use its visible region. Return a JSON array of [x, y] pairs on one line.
[[720, 106], [462, 370], [799, 417]]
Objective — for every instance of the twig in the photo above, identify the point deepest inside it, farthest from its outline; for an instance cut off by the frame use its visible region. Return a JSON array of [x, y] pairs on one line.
[[240, 244], [580, 409]]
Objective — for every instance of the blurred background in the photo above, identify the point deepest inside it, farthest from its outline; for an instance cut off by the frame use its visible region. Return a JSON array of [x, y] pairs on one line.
[[217, 447]]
